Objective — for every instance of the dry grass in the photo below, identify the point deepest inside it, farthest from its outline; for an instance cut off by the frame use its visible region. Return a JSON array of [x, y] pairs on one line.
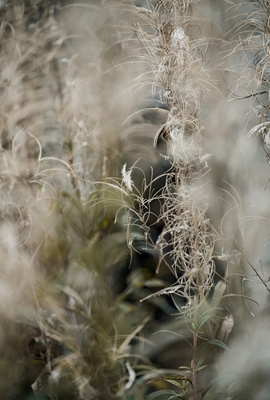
[[90, 95]]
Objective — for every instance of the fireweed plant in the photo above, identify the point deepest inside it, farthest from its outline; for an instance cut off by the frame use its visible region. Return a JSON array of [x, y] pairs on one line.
[[174, 68], [96, 177]]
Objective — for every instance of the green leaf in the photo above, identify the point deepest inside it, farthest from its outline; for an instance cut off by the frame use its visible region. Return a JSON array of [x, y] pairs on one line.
[[200, 363], [155, 283], [213, 383], [186, 370], [202, 321], [219, 343], [175, 383], [161, 395], [201, 368], [174, 380], [167, 331]]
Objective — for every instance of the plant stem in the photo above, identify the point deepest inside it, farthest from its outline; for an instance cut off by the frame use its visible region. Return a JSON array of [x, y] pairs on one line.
[[195, 345], [194, 376]]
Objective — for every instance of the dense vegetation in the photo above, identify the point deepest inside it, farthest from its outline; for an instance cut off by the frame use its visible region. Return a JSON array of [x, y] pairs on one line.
[[134, 199]]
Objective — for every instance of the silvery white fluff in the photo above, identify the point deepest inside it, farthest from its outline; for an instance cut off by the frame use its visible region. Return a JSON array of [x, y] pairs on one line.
[[126, 178], [179, 38]]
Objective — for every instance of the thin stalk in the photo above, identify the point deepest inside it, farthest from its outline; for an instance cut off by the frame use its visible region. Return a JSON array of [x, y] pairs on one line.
[[195, 346], [194, 374]]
